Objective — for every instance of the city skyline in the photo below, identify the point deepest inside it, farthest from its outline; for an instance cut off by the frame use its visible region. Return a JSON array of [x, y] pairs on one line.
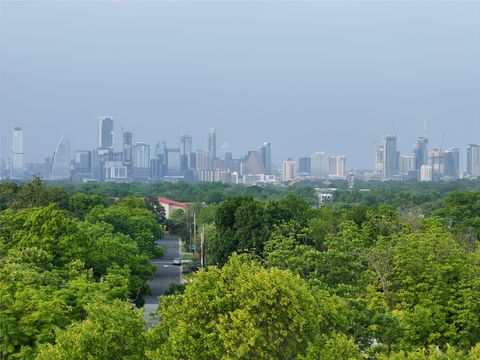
[[320, 75], [140, 161]]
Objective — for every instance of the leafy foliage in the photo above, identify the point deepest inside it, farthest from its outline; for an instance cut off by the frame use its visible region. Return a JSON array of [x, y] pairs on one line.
[[244, 311], [391, 273]]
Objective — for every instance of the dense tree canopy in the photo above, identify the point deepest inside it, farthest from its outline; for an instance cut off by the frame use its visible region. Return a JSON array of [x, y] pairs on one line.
[[244, 311], [387, 274], [57, 257]]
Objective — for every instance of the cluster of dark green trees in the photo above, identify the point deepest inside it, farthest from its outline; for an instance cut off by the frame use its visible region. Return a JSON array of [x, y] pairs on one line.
[[408, 280], [286, 281], [66, 259]]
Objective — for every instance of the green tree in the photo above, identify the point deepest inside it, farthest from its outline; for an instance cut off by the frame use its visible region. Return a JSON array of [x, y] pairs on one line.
[[130, 217], [110, 331], [243, 311]]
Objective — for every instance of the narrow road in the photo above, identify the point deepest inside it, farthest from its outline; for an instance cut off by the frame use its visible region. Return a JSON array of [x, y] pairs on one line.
[[164, 275]]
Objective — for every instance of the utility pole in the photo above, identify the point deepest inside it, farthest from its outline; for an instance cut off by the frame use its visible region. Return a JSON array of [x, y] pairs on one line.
[[194, 228], [189, 230], [202, 247]]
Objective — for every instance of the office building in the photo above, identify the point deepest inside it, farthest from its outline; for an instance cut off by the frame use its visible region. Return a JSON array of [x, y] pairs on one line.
[[451, 168], [266, 156], [436, 160], [227, 160], [319, 165], [127, 144], [116, 171], [378, 161], [160, 149], [254, 164], [227, 157], [157, 168], [105, 132], [420, 151], [204, 160], [185, 152], [173, 161], [61, 161], [214, 176], [3, 165], [212, 142], [16, 158], [426, 173], [337, 167], [473, 160], [390, 157], [82, 165], [141, 161], [289, 168], [96, 165], [304, 165], [407, 164]]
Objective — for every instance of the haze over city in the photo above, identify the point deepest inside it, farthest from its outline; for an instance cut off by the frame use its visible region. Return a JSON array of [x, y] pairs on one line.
[[268, 180], [310, 76]]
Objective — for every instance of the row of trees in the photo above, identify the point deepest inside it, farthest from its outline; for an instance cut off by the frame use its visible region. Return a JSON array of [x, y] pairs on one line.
[[400, 194]]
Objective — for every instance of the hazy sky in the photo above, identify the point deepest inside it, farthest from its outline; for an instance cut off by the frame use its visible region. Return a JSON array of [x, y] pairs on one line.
[[306, 76]]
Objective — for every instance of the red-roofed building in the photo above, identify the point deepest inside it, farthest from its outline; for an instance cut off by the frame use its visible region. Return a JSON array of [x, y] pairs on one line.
[[171, 205]]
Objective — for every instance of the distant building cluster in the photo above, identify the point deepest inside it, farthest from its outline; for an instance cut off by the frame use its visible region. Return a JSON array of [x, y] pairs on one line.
[[424, 164], [139, 161]]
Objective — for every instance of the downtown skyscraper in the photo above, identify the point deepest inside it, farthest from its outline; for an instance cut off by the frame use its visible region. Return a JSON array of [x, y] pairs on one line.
[[212, 143], [420, 151], [390, 157], [266, 155], [16, 154], [288, 170], [319, 165], [105, 132], [61, 161], [473, 160]]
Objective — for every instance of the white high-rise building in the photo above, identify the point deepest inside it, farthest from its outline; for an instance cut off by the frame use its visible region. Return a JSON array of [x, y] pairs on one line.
[[338, 166], [141, 160], [319, 165], [212, 143], [61, 161], [426, 173], [289, 167], [473, 160], [407, 163], [16, 166], [204, 160], [378, 161]]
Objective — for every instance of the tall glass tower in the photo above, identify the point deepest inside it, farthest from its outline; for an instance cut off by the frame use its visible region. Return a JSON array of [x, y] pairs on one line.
[[127, 148], [390, 157], [319, 165], [105, 132], [185, 151], [212, 142], [420, 151], [266, 154]]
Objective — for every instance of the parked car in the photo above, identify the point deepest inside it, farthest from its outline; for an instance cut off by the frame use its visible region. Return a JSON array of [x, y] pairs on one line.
[[177, 261]]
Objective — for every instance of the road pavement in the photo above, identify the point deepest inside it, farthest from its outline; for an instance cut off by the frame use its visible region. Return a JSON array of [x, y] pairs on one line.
[[164, 275]]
